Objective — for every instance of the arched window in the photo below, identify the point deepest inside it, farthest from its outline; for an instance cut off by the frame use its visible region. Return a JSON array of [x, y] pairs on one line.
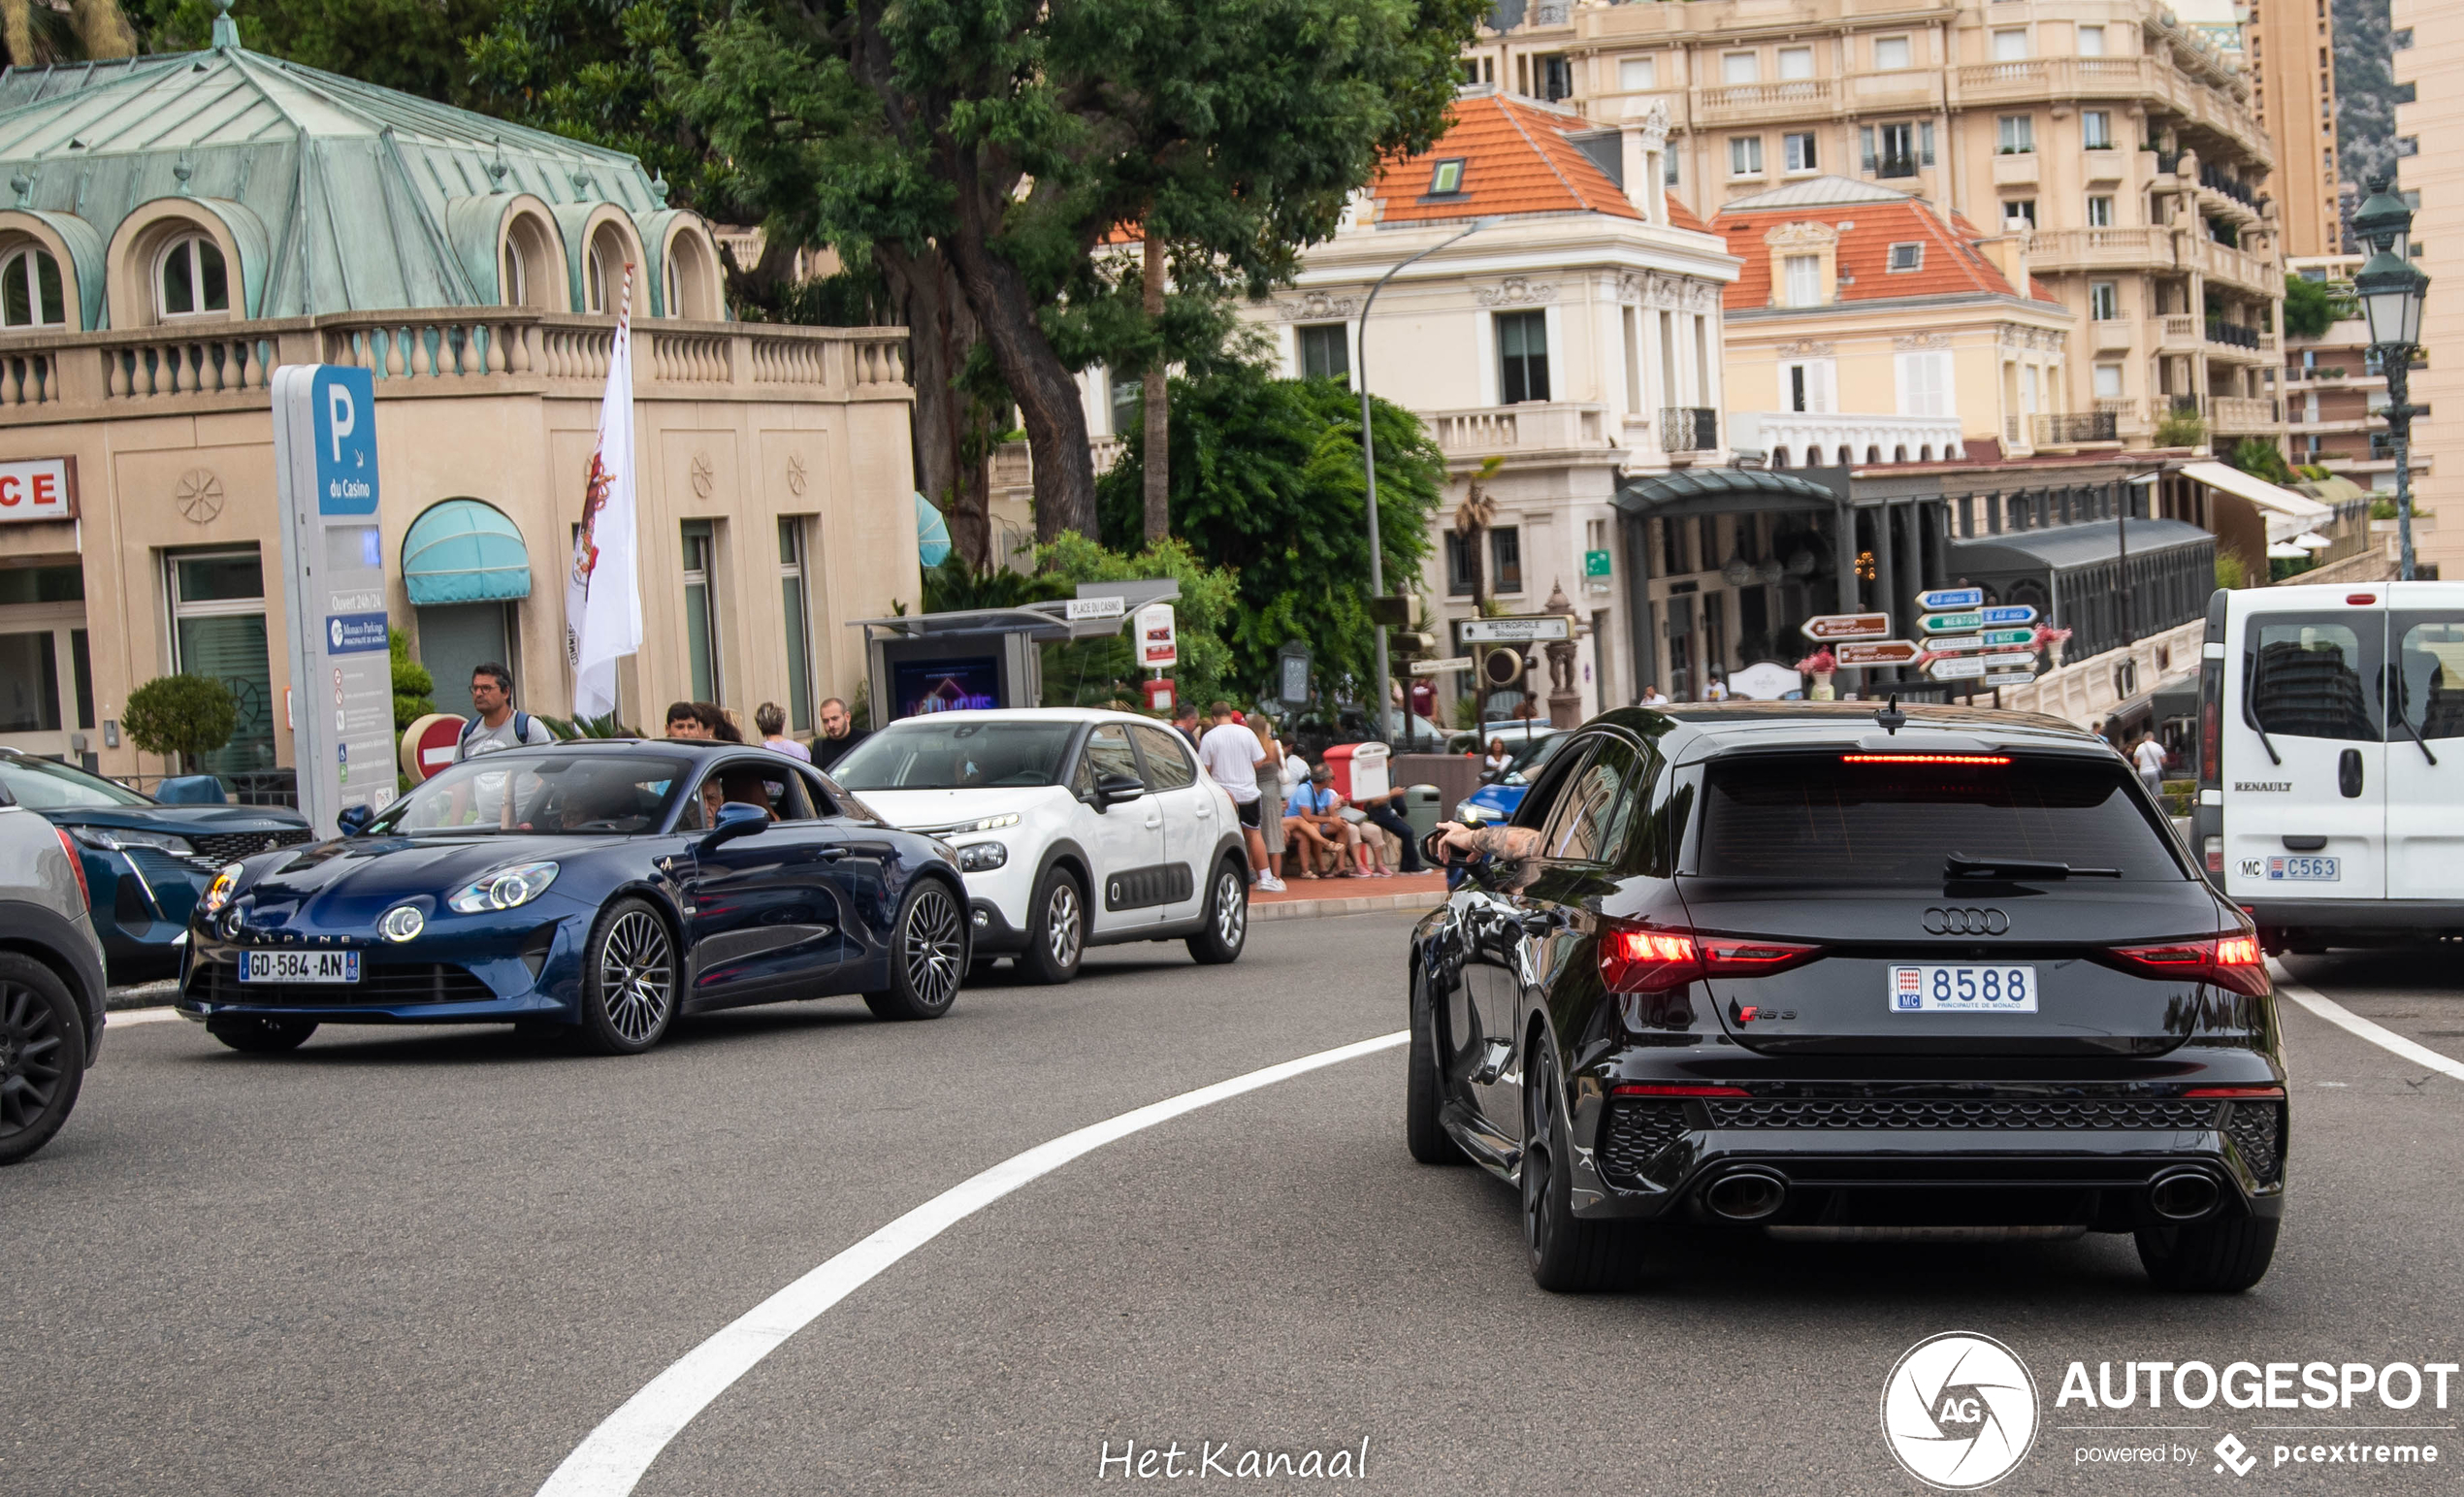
[[191, 280], [511, 285], [30, 290], [691, 280], [526, 269], [603, 270]]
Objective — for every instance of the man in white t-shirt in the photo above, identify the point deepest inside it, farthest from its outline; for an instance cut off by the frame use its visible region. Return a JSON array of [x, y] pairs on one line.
[[494, 724], [2149, 756], [1231, 754]]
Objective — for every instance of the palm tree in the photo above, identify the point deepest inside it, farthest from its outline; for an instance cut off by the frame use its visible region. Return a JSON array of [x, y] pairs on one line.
[[1471, 521]]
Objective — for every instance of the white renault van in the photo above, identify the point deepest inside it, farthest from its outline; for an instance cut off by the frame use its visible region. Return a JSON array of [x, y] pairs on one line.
[[2331, 761]]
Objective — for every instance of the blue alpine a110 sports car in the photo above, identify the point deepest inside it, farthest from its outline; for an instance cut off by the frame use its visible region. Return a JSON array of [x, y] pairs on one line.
[[597, 888]]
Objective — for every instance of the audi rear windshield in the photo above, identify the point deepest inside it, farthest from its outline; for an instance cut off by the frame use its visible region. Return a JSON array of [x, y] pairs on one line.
[[1862, 819]]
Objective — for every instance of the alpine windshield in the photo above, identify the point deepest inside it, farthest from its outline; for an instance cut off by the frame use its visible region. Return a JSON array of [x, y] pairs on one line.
[[929, 754]]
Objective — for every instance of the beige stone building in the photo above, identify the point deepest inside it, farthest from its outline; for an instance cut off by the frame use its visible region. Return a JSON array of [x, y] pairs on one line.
[[181, 226], [2291, 60], [2429, 61], [2122, 139]]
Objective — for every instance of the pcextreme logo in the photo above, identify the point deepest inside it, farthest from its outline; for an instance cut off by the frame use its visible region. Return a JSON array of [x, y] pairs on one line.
[[1958, 1411]]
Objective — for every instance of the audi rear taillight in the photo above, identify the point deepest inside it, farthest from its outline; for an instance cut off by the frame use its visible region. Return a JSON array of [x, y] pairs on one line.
[[1654, 959], [2232, 961], [1634, 1089]]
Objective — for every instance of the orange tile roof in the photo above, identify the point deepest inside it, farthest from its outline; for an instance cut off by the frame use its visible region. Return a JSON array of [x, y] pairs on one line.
[[1951, 264], [1516, 159]]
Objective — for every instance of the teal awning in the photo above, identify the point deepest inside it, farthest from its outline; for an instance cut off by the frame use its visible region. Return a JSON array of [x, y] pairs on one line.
[[933, 532], [465, 551]]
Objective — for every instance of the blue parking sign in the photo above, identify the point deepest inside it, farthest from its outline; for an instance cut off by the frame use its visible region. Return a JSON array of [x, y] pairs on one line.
[[343, 404]]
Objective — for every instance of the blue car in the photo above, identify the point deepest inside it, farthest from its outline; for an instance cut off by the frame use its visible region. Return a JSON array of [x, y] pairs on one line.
[[595, 890], [1498, 799], [147, 864]]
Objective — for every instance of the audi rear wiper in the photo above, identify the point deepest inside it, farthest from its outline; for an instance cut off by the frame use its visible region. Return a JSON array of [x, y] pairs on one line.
[[1966, 866]]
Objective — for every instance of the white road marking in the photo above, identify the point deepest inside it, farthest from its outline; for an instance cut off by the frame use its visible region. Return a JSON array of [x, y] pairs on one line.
[[617, 1453], [121, 1016], [2345, 1019]]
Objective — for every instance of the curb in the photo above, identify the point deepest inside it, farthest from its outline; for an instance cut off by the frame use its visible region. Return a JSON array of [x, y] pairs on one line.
[[1356, 904], [153, 995]]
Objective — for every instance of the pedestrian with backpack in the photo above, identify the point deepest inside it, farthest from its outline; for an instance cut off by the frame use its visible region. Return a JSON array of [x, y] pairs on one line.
[[495, 724]]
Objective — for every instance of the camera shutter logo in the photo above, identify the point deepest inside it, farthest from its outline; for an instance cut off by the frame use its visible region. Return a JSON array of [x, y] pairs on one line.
[[1959, 1410]]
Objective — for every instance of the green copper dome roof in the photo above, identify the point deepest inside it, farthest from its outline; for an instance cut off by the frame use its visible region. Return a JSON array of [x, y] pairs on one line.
[[355, 192]]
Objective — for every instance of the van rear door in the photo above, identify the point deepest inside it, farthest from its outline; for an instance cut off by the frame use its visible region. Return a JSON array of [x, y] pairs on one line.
[[2305, 755], [2426, 800]]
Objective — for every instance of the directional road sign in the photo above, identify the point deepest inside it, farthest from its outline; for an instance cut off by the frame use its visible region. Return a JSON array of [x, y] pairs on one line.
[[1078, 609], [1951, 622], [2008, 677], [1517, 630], [1848, 626], [2023, 660], [1955, 645], [2005, 637], [1877, 652], [1959, 668], [1441, 666], [1951, 597], [2009, 613]]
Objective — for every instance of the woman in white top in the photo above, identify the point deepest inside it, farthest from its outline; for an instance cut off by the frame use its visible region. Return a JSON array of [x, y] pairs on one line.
[[1498, 758]]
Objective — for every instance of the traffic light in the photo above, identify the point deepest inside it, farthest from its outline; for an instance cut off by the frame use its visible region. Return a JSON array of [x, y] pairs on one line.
[[1410, 645], [1502, 667], [1401, 611]]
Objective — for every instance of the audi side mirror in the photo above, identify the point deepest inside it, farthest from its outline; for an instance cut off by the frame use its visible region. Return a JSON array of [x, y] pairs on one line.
[[736, 819]]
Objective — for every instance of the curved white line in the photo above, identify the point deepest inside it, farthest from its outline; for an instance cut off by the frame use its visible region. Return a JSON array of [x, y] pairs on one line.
[[616, 1454], [2347, 1020]]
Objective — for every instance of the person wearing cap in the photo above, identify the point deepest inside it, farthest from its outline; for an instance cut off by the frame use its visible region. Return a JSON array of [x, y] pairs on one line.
[[1311, 821]]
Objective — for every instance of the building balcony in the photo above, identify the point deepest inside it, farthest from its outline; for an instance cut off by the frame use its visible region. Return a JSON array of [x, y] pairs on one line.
[[1806, 439], [1916, 90], [2100, 250], [1535, 425], [1689, 429], [2015, 169], [2242, 413], [2182, 333], [2333, 426], [2237, 268], [2074, 428], [2103, 164], [2113, 335], [446, 351], [1746, 103]]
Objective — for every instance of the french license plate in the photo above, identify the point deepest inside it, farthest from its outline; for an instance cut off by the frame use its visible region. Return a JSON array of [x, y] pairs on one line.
[[299, 966], [2309, 870], [1962, 990]]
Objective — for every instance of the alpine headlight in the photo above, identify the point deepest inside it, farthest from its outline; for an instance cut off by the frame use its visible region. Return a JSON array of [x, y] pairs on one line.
[[984, 857], [119, 839], [505, 889], [402, 923], [218, 892]]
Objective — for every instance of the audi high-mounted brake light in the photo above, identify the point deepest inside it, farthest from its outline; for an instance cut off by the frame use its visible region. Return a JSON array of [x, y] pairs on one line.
[[1925, 759], [1636, 958], [2232, 961]]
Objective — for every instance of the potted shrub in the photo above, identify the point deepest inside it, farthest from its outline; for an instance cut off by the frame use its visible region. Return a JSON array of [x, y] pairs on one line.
[[181, 717]]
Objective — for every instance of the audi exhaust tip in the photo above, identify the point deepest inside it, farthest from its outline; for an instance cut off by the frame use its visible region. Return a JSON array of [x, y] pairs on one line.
[[2185, 1195], [1746, 1195]]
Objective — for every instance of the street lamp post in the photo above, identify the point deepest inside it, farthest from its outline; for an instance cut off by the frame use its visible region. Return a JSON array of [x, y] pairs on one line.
[[2391, 290], [1368, 470]]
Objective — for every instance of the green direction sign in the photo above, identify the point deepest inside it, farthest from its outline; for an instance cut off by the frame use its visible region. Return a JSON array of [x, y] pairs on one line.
[[1595, 564], [1951, 622], [2003, 636]]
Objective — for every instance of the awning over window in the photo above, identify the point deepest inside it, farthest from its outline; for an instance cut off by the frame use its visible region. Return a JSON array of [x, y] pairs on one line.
[[464, 550], [2069, 547], [2288, 513]]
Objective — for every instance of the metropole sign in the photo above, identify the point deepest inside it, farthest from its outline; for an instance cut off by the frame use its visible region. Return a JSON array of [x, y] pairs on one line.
[[341, 672]]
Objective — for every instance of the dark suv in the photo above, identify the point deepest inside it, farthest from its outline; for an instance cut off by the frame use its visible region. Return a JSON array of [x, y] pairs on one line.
[[1851, 975]]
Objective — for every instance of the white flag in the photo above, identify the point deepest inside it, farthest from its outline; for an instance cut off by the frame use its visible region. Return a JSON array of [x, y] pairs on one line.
[[603, 595]]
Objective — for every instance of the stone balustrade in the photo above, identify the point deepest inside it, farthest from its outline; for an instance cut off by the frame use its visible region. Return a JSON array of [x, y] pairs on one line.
[[54, 375], [1546, 426]]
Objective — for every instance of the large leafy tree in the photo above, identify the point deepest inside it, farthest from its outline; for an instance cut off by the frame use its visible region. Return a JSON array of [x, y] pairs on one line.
[[414, 45], [1008, 138], [1266, 480]]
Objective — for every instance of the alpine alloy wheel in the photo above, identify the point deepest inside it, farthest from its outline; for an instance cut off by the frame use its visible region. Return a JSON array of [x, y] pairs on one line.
[[1227, 917], [930, 956], [42, 1055], [629, 994], [1057, 931]]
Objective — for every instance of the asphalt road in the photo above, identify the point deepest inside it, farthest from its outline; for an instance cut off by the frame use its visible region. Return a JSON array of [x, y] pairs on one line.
[[413, 1262]]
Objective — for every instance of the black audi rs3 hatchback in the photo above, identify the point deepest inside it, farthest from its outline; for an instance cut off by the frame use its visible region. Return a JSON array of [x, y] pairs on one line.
[[1850, 975]]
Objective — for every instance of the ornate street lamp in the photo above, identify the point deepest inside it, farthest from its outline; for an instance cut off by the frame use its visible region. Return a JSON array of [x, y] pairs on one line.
[[2392, 291]]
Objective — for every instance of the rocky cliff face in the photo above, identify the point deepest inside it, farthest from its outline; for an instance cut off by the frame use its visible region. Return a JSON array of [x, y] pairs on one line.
[[2365, 95]]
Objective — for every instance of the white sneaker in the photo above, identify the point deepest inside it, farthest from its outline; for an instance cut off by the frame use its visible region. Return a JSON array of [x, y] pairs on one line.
[[1270, 883]]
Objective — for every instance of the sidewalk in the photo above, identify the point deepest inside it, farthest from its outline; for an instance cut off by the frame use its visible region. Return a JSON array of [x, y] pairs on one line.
[[1315, 898]]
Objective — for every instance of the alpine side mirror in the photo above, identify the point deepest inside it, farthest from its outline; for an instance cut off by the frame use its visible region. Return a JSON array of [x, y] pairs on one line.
[[353, 821], [736, 819], [1112, 788]]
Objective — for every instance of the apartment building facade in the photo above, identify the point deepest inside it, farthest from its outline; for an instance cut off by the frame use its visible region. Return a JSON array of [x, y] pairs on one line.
[[2428, 36], [2289, 53], [2121, 141]]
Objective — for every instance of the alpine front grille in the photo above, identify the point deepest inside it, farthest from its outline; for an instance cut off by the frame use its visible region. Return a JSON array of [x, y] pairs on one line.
[[2257, 1131], [2065, 1115], [1635, 1133], [379, 983]]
